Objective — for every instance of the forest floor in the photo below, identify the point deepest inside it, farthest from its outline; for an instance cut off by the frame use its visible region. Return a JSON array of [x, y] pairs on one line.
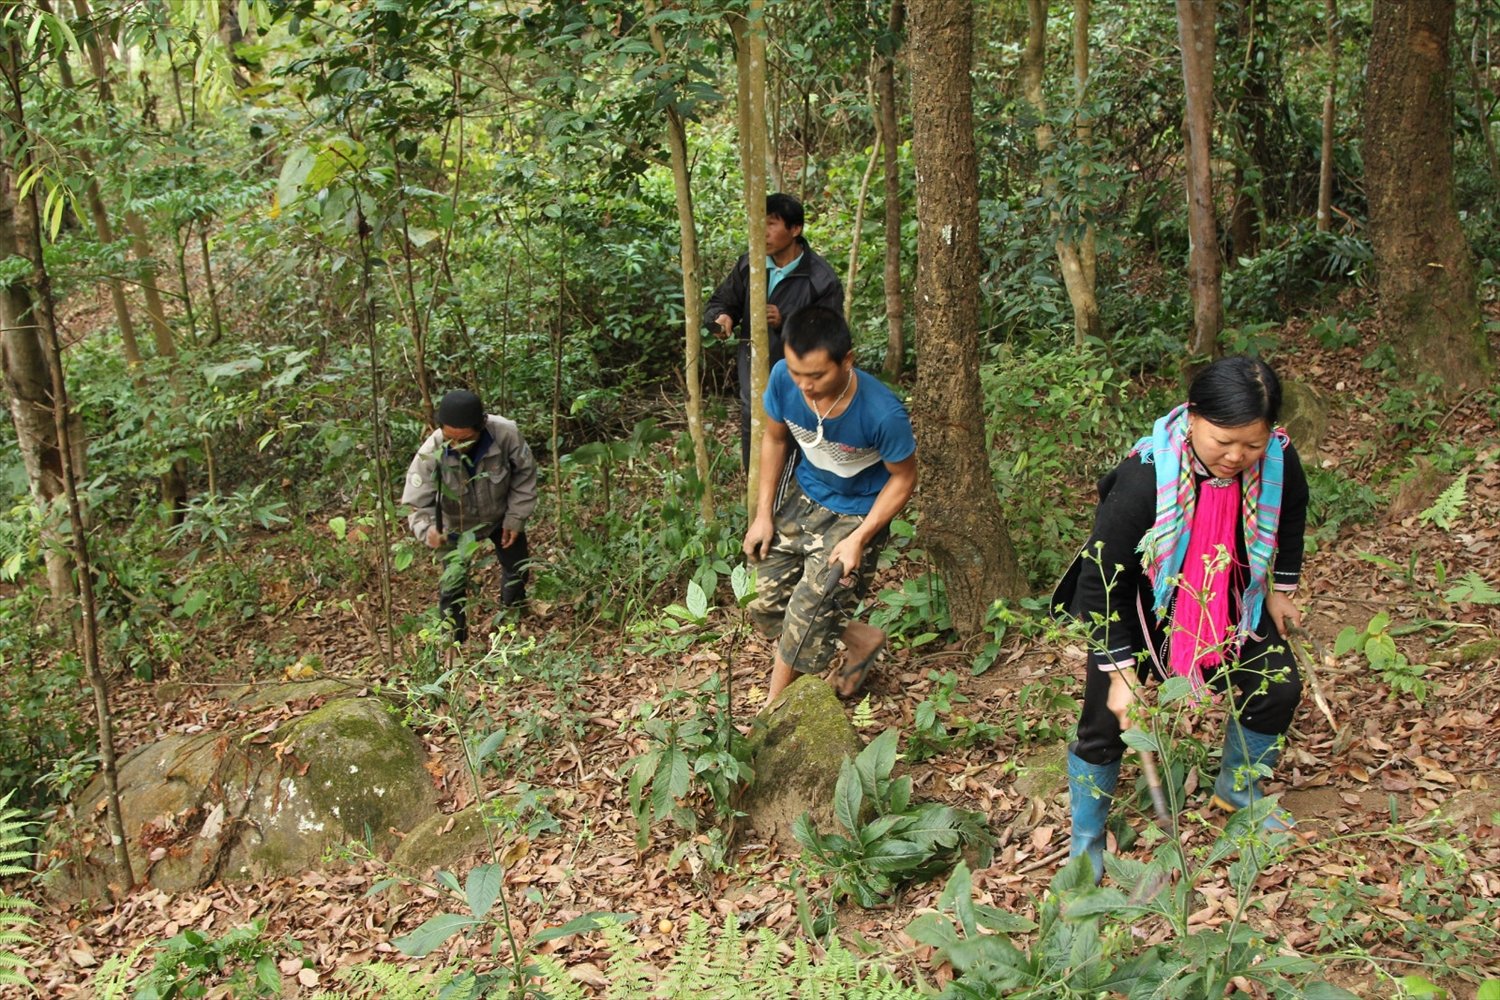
[[1357, 896]]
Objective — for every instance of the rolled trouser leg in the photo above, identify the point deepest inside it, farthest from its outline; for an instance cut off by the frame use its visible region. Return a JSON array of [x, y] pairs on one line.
[[1091, 790]]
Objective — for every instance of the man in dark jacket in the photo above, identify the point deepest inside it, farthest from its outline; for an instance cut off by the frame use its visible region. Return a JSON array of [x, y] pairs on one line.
[[795, 279]]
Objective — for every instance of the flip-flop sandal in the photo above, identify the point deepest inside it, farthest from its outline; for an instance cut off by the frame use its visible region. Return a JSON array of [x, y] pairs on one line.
[[858, 670]]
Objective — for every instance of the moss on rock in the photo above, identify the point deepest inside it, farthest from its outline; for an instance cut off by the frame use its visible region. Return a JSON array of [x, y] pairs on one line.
[[797, 747]]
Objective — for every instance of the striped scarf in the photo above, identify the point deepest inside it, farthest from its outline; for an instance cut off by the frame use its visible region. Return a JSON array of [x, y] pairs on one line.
[[1165, 544]]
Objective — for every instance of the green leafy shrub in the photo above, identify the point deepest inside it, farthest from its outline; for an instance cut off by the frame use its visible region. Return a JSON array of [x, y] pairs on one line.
[[1375, 643], [14, 920], [900, 842]]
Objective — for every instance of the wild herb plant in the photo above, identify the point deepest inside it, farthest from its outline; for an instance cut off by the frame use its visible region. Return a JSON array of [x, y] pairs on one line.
[[1375, 644], [935, 727], [888, 840]]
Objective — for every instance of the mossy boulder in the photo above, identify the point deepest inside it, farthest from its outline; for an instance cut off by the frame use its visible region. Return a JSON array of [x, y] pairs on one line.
[[442, 840], [247, 804], [1304, 414], [797, 747], [286, 692]]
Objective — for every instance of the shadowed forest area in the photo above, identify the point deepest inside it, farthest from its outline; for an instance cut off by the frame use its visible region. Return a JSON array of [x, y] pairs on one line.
[[247, 249]]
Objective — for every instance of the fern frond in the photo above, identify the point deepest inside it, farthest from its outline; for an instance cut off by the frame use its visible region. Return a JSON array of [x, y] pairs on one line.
[[1448, 505], [389, 981], [696, 969], [12, 915], [629, 976]]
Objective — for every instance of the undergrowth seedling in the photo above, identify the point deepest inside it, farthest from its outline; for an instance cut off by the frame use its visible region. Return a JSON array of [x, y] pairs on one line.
[[888, 840], [1375, 643]]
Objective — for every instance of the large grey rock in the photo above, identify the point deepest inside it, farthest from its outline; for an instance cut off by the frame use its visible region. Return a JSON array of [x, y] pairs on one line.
[[797, 748], [442, 840], [248, 804], [1304, 414]]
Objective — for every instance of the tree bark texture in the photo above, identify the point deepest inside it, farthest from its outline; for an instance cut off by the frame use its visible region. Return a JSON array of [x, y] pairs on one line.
[[1325, 162], [890, 136], [692, 292], [1195, 32], [1425, 273], [962, 525], [1070, 256], [750, 39], [28, 389]]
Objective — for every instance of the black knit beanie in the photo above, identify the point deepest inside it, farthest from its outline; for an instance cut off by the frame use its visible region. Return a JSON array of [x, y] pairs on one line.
[[460, 408]]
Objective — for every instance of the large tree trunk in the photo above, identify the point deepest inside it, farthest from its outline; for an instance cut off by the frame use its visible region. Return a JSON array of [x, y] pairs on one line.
[[45, 319], [1195, 30], [28, 389], [750, 46], [890, 136], [1428, 305], [1070, 258], [963, 527]]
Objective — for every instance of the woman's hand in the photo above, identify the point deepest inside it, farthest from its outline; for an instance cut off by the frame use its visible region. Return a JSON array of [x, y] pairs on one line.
[[1122, 694], [1282, 611]]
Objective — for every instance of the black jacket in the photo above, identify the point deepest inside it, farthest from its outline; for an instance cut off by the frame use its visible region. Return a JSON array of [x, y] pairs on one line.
[[1095, 591], [812, 283]]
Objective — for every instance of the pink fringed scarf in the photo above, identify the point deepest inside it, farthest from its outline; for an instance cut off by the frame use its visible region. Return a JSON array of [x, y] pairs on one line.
[[1200, 619]]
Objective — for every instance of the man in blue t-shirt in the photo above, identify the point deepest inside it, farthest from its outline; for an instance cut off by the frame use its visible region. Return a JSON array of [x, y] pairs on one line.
[[858, 469]]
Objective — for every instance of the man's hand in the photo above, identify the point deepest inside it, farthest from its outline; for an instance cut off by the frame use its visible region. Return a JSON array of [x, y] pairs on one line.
[[508, 537], [1121, 695], [758, 539], [724, 326], [773, 317], [1281, 609], [847, 554], [434, 538]]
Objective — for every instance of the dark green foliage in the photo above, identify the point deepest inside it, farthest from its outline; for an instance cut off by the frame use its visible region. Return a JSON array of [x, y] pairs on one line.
[[888, 839]]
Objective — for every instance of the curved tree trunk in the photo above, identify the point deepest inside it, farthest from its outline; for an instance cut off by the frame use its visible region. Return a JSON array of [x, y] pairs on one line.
[[1070, 256], [1428, 305], [1195, 30], [692, 292], [962, 525]]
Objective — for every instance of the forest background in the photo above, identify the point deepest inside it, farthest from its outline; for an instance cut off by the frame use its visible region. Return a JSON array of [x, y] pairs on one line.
[[246, 245]]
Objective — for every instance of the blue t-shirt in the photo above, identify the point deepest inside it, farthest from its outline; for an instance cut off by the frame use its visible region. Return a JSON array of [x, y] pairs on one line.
[[846, 470]]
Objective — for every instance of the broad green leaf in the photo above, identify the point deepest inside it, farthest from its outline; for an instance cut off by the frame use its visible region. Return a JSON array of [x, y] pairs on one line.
[[581, 925], [697, 601], [482, 888], [293, 173], [433, 933], [848, 798], [339, 526], [1140, 739]]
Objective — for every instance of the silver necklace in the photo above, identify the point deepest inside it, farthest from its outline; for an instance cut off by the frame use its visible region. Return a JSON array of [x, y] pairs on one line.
[[818, 437]]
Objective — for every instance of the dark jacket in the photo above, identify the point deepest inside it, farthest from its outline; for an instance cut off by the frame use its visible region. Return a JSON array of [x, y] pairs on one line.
[[812, 283]]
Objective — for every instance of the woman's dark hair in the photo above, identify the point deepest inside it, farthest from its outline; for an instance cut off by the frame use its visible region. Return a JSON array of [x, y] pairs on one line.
[[1233, 392], [818, 328], [786, 208]]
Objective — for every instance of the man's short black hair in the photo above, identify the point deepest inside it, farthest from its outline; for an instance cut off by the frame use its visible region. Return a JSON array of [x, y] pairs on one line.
[[818, 328], [786, 208]]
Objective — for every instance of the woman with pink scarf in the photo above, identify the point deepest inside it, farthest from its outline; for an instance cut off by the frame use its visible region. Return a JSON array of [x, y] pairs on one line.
[[1190, 570]]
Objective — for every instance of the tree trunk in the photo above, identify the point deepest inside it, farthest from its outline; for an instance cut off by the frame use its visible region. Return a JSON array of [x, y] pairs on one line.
[[851, 273], [1423, 268], [1195, 31], [1069, 254], [890, 135], [1088, 251], [45, 321], [692, 292], [1325, 163], [750, 46], [962, 525], [28, 389]]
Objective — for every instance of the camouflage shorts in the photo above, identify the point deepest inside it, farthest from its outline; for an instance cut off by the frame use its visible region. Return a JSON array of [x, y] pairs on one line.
[[788, 580]]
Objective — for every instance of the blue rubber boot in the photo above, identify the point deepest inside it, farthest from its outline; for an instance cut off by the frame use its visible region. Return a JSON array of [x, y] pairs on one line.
[[1238, 784], [1091, 789]]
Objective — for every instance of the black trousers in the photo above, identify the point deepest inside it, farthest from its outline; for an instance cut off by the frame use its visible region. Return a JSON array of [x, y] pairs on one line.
[[453, 592], [1267, 685]]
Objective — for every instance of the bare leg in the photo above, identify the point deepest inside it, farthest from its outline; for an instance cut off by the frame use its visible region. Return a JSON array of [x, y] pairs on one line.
[[860, 641], [781, 676]]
